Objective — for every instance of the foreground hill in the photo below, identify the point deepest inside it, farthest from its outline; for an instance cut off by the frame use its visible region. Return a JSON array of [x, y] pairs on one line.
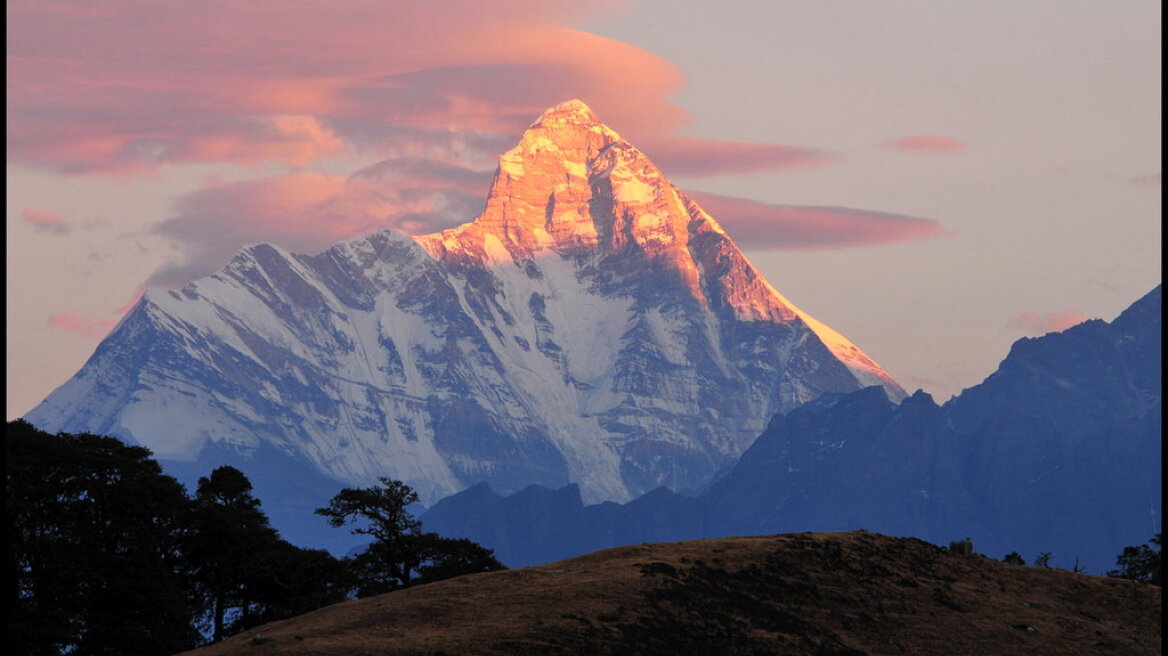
[[803, 593]]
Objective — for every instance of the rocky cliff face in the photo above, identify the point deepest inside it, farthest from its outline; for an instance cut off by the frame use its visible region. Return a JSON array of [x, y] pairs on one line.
[[593, 325]]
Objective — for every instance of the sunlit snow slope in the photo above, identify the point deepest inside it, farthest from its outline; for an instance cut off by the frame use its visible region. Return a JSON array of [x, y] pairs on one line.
[[593, 325]]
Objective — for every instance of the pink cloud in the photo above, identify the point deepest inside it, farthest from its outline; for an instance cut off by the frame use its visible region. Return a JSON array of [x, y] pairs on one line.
[[137, 84], [757, 225], [1153, 180], [1033, 323], [132, 302], [926, 143], [307, 213], [128, 87], [45, 221], [684, 156], [88, 327]]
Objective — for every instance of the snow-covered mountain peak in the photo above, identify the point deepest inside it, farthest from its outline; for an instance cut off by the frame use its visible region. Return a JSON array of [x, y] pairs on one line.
[[569, 111], [573, 188], [592, 325], [573, 185]]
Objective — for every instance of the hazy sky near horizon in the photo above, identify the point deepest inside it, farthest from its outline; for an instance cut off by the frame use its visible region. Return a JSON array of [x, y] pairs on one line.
[[932, 179]]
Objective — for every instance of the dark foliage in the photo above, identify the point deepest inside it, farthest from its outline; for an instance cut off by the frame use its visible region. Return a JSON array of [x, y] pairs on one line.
[[228, 545], [95, 560], [963, 547], [108, 555], [401, 554], [293, 581], [1140, 563], [244, 573], [379, 511], [457, 556], [1014, 558]]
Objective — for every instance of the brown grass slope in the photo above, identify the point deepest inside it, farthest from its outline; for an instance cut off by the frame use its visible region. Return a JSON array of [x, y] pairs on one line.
[[803, 593]]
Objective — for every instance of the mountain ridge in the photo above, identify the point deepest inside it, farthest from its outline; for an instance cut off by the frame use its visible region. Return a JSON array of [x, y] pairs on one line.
[[1058, 451], [592, 325]]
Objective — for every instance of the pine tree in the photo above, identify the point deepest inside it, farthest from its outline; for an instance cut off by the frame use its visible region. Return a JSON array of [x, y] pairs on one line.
[[227, 547], [1140, 563]]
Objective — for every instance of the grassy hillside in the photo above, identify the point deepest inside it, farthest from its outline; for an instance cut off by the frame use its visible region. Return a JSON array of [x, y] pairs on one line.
[[804, 593]]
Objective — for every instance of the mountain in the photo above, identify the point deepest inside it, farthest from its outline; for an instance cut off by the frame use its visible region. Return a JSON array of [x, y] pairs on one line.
[[1057, 451], [846, 594], [592, 326]]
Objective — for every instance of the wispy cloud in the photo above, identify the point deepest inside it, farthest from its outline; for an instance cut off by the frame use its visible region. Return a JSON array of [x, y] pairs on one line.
[[308, 212], [1033, 323], [757, 225], [80, 324], [128, 87], [1152, 180], [685, 156], [129, 305], [43, 221], [926, 143]]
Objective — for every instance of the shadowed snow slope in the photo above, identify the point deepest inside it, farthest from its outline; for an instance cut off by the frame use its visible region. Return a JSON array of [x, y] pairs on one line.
[[1058, 451], [594, 325]]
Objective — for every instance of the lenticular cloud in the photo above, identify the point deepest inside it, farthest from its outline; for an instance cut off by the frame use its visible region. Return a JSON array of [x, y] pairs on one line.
[[133, 86], [757, 225]]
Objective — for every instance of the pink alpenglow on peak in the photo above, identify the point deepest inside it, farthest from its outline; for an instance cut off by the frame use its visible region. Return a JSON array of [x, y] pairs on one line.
[[593, 325], [569, 111], [575, 187]]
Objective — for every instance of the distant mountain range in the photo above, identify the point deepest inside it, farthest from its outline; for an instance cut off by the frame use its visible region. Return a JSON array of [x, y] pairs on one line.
[[592, 326], [595, 338], [1057, 451]]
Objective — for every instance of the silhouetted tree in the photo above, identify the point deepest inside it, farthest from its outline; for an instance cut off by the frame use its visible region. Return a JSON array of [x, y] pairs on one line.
[[229, 542], [245, 573], [1042, 560], [379, 511], [95, 530], [1140, 563], [457, 556], [1014, 558], [108, 555], [292, 581], [963, 547], [400, 549]]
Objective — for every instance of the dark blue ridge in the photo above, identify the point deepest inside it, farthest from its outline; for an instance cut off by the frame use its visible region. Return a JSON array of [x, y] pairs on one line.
[[1057, 451]]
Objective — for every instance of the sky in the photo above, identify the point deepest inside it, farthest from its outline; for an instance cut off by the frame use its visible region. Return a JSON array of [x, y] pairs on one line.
[[934, 180]]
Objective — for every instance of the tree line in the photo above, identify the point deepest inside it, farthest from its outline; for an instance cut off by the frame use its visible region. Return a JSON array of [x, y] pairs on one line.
[[1137, 563], [109, 555]]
